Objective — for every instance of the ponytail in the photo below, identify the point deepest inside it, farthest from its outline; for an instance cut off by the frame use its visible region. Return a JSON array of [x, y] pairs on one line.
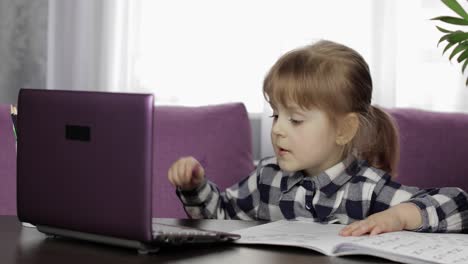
[[377, 140]]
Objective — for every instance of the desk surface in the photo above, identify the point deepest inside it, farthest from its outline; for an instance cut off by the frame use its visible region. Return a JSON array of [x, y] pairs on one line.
[[26, 245]]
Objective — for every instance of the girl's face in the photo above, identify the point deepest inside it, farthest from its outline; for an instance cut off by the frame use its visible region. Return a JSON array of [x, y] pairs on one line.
[[304, 140]]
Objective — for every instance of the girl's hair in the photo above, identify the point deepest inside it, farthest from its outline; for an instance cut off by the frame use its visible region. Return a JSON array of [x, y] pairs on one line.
[[336, 79]]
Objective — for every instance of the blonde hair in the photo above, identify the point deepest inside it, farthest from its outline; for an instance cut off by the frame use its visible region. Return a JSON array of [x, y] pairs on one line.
[[336, 79]]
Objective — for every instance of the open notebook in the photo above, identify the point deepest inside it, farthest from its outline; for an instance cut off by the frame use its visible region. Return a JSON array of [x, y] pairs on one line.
[[84, 169], [403, 246]]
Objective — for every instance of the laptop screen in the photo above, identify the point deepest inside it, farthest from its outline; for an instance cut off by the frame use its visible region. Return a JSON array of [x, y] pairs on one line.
[[84, 161]]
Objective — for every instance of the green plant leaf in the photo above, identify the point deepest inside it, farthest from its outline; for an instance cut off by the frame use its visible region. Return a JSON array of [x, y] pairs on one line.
[[443, 30], [456, 50], [457, 39], [456, 7], [444, 37], [458, 36], [452, 20], [448, 47], [463, 56], [464, 66]]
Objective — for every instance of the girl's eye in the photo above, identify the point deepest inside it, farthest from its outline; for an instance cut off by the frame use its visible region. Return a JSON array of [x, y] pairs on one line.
[[295, 121], [274, 116]]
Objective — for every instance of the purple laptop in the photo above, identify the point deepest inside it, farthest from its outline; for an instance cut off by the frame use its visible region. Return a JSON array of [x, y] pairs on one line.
[[84, 169]]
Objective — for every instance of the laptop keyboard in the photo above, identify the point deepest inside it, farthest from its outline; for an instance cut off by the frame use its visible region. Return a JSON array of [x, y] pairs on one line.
[[172, 234]]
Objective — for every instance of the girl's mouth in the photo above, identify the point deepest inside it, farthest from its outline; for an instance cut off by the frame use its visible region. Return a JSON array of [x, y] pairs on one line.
[[282, 151]]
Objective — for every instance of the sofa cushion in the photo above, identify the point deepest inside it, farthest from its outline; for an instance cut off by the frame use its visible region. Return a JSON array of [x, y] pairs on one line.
[[218, 136], [7, 163], [433, 148]]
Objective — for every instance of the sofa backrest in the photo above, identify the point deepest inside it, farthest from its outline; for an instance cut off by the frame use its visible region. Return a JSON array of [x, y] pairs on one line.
[[433, 148], [7, 163], [218, 136]]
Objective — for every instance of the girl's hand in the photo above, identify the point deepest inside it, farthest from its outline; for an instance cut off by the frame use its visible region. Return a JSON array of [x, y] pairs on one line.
[[186, 173], [396, 218]]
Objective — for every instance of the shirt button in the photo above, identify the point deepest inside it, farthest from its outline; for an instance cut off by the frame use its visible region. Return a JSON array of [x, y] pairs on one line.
[[308, 185]]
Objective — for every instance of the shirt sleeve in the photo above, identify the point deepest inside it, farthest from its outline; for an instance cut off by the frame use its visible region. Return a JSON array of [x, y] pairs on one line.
[[442, 209], [239, 201]]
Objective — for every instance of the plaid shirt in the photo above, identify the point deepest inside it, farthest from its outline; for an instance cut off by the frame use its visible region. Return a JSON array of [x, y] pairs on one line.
[[347, 192]]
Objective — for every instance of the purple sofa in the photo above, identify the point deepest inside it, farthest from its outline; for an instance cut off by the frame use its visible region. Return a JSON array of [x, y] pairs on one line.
[[434, 147], [219, 136], [7, 163]]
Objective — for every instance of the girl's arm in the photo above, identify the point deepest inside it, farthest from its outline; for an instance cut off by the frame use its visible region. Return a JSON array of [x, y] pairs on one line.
[[397, 207], [237, 202], [399, 217]]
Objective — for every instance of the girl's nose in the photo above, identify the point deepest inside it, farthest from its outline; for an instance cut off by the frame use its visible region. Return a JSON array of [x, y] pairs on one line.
[[277, 128]]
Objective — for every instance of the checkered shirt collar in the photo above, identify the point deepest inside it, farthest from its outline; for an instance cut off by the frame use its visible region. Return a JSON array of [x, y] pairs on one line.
[[329, 181]]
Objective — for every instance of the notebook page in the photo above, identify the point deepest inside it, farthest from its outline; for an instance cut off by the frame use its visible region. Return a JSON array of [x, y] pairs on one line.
[[319, 237], [430, 247]]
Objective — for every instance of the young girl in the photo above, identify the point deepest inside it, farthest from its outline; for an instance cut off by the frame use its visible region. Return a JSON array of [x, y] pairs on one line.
[[334, 153]]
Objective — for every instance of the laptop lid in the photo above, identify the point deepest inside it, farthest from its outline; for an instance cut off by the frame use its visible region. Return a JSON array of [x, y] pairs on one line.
[[84, 161]]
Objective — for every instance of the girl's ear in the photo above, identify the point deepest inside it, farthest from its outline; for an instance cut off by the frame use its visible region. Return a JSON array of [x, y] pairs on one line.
[[347, 128]]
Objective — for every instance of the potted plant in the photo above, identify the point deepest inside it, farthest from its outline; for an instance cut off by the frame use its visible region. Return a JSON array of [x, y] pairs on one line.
[[458, 39]]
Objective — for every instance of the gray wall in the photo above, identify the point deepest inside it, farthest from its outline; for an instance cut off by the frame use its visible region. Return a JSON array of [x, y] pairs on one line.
[[255, 124], [23, 46]]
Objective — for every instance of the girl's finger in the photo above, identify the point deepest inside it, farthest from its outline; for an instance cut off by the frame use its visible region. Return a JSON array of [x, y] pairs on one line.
[[376, 230], [180, 172], [364, 228], [187, 174], [346, 231]]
